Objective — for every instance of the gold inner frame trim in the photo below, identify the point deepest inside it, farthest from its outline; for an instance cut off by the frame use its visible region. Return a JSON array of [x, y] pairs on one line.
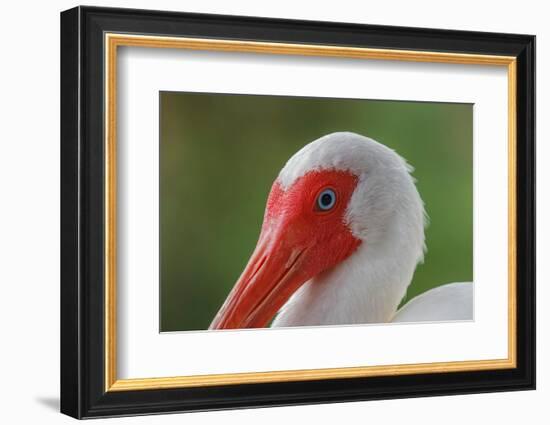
[[113, 41]]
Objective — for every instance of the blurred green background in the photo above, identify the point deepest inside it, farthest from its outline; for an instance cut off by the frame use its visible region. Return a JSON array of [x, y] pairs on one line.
[[220, 154]]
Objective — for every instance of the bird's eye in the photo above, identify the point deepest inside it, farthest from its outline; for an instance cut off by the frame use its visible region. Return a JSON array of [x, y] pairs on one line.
[[326, 199]]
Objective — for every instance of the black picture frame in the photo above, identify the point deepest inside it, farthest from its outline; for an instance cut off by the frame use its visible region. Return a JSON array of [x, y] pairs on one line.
[[83, 392]]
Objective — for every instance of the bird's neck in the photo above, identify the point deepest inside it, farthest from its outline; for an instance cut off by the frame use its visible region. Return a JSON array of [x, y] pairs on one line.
[[365, 288]]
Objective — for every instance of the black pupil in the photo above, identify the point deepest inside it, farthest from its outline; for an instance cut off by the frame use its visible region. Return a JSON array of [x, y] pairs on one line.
[[326, 199]]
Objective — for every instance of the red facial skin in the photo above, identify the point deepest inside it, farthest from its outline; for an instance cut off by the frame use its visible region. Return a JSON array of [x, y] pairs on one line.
[[297, 242]]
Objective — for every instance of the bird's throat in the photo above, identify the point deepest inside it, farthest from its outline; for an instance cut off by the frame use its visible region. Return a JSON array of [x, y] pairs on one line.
[[366, 288]]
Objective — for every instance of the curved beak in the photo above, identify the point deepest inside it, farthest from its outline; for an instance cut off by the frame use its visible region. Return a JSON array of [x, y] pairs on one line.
[[273, 273]]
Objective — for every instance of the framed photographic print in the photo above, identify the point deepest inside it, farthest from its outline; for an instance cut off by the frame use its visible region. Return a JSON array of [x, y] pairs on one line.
[[262, 212]]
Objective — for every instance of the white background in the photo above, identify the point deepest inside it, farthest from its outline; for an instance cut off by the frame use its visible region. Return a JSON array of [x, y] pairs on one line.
[[29, 232], [143, 352]]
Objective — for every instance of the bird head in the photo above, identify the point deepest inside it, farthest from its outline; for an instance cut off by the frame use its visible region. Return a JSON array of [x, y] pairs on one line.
[[335, 195]]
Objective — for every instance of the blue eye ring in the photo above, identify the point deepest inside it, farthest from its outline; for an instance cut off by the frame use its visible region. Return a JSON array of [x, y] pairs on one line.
[[326, 200]]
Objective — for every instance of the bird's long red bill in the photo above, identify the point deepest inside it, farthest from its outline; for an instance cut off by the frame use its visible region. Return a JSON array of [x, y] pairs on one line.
[[273, 273]]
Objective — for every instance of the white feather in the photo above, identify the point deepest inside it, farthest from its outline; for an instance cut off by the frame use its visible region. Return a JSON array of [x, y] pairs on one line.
[[453, 301]]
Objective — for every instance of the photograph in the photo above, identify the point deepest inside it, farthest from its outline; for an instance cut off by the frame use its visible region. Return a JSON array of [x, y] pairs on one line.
[[285, 211], [260, 211]]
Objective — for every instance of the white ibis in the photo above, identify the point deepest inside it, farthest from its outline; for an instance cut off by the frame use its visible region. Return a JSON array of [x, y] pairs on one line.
[[343, 232]]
